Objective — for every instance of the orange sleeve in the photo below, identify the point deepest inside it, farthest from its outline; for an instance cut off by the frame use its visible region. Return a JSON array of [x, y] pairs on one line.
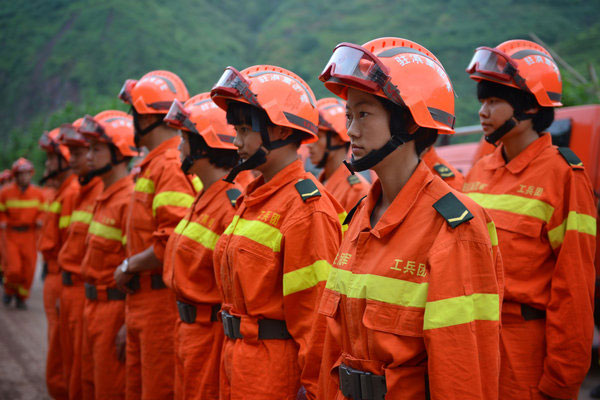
[[173, 197], [461, 325], [3, 216], [569, 314], [307, 260]]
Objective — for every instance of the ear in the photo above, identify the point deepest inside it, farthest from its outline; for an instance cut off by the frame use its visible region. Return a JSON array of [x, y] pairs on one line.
[[532, 110], [277, 132]]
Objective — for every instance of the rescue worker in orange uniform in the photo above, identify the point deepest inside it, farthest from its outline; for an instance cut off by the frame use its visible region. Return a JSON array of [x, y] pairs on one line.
[[411, 306], [272, 260], [162, 197], [442, 168], [542, 202], [4, 181], [72, 296], [52, 238], [208, 152], [112, 147], [330, 151], [20, 217]]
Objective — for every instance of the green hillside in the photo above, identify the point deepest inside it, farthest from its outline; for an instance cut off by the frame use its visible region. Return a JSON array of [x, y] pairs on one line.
[[61, 59]]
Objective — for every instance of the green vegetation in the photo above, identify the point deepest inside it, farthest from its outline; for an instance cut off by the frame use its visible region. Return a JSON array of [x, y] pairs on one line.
[[61, 59]]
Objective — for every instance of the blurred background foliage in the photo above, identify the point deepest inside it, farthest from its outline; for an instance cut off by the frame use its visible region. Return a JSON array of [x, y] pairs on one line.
[[62, 59]]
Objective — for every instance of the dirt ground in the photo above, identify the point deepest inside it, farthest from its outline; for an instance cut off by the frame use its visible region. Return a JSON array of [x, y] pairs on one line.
[[23, 352]]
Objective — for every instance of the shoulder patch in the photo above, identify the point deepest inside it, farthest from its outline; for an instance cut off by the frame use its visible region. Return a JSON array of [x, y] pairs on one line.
[[233, 195], [443, 171], [307, 189], [353, 211], [453, 211], [570, 157], [353, 180]]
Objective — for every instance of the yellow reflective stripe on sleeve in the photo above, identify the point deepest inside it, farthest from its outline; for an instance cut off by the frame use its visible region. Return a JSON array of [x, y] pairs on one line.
[[55, 207], [461, 310], [22, 291], [514, 204], [81, 216], [106, 232], [380, 288], [2, 207], [24, 204], [64, 221], [176, 199], [257, 231], [144, 185], [197, 233], [197, 183], [581, 223], [342, 217], [492, 232], [306, 277]]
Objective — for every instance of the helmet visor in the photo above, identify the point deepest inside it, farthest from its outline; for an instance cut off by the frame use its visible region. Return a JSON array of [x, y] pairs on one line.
[[125, 92], [69, 136], [46, 142], [178, 117], [90, 127], [233, 84], [492, 62]]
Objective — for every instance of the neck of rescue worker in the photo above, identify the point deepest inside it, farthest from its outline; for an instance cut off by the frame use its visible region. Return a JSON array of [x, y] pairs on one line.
[[395, 170], [116, 173], [23, 188], [207, 172], [277, 160], [157, 136], [517, 140], [62, 177], [335, 159]]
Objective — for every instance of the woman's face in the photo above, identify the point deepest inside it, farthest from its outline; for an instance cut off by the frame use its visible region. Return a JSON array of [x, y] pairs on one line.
[[316, 150], [247, 141], [368, 123], [78, 160], [98, 155], [493, 113]]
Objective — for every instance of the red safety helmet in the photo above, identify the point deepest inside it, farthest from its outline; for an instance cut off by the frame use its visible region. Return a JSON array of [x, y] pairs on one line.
[[50, 143], [400, 70], [332, 117], [201, 116], [520, 64], [284, 96], [22, 165], [154, 92], [113, 127]]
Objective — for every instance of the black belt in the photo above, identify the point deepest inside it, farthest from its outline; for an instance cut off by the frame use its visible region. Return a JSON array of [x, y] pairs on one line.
[[268, 329], [156, 282], [20, 228], [529, 313], [360, 385], [91, 293], [67, 279], [187, 312]]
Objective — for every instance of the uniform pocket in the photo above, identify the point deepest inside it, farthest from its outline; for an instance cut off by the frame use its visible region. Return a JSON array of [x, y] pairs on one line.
[[260, 276], [329, 304], [519, 224], [394, 319]]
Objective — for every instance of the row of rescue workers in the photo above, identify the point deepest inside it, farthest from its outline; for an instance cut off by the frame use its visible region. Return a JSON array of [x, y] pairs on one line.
[[219, 269]]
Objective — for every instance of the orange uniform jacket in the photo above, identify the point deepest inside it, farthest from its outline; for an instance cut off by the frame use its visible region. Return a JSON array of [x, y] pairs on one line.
[[346, 188], [414, 296], [19, 208], [271, 262], [545, 213], [443, 169]]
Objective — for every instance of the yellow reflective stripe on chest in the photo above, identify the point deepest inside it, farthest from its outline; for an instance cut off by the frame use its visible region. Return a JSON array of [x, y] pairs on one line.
[[23, 203], [380, 288], [2, 207], [64, 221], [176, 199], [461, 310], [492, 232], [257, 231], [106, 232], [575, 221], [144, 185], [198, 233], [342, 217], [514, 204], [197, 183], [306, 277], [81, 216], [55, 207]]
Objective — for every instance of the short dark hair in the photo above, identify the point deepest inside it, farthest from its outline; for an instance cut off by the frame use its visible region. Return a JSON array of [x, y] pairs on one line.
[[220, 158]]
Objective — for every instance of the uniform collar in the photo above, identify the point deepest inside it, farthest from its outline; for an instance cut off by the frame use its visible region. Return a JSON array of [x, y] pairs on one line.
[[213, 190], [115, 187], [258, 190], [402, 204], [168, 144], [66, 183], [522, 160], [93, 184]]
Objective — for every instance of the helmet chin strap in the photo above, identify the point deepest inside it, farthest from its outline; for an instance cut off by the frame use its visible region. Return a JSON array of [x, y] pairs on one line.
[[138, 132], [84, 180], [329, 147], [375, 156], [506, 127], [56, 172]]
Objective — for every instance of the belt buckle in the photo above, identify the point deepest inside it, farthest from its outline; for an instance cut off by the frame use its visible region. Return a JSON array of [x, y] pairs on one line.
[[90, 292], [187, 312], [67, 278], [228, 324], [350, 384]]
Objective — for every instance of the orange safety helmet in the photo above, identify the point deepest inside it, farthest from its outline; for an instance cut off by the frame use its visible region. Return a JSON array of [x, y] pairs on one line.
[[400, 70], [332, 117], [520, 64], [69, 136], [113, 127], [284, 96], [154, 92], [50, 143], [22, 165]]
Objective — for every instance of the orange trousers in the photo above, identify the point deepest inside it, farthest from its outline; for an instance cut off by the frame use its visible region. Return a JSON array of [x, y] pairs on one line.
[[20, 257], [198, 355], [57, 387], [72, 300], [103, 375], [150, 317], [259, 370]]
